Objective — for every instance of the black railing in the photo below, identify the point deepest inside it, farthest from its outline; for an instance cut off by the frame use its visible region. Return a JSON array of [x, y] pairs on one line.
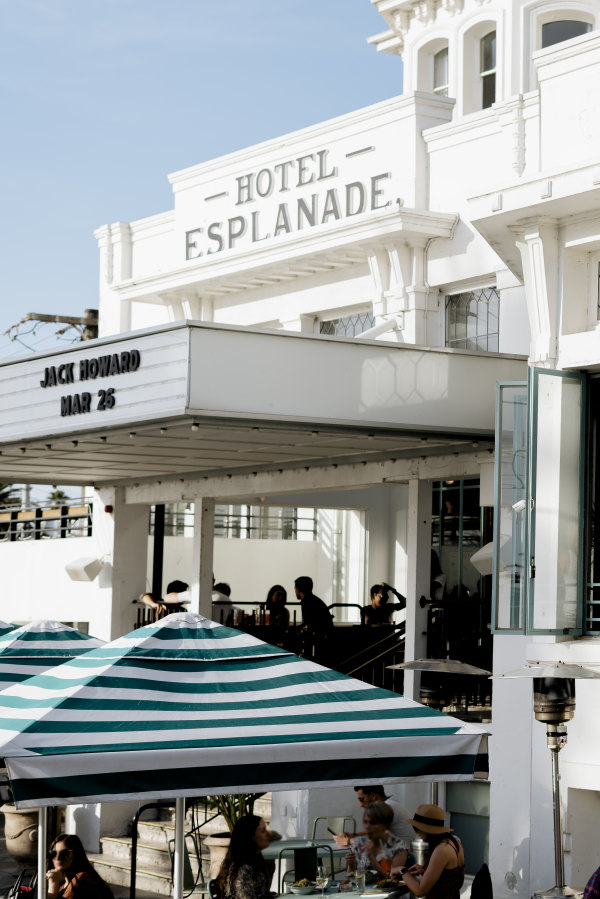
[[45, 522]]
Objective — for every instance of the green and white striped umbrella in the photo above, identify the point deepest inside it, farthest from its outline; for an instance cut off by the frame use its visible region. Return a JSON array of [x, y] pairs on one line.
[[33, 648], [187, 707], [5, 628]]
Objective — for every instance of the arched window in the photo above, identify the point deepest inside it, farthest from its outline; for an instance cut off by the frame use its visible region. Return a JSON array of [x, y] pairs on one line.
[[487, 69], [563, 30], [440, 72], [432, 72], [482, 60]]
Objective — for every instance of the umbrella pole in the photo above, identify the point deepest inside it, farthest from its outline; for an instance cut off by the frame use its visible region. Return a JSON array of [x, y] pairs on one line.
[[178, 854], [42, 839]]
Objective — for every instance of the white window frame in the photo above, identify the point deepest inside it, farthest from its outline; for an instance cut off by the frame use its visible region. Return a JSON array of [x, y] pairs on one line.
[[541, 13], [470, 76]]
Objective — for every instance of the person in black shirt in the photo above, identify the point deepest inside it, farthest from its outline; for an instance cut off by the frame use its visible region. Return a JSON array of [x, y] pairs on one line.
[[380, 611], [316, 617]]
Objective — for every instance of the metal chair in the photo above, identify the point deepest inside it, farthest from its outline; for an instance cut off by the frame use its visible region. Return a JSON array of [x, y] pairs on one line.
[[336, 823], [286, 851]]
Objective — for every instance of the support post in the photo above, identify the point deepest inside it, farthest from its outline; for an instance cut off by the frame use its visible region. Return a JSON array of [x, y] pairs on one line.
[[178, 853], [41, 859], [202, 560], [418, 576]]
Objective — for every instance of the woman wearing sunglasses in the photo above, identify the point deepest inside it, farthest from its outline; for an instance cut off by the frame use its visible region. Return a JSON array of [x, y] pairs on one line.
[[71, 875]]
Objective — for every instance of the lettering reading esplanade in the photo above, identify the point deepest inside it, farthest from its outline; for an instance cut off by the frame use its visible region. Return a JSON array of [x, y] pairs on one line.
[[89, 370], [308, 209]]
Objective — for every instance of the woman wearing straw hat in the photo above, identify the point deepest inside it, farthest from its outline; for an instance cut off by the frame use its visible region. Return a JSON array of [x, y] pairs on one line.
[[443, 875]]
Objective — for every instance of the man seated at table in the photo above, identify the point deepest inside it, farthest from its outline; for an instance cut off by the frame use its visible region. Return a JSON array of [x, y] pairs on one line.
[[375, 793]]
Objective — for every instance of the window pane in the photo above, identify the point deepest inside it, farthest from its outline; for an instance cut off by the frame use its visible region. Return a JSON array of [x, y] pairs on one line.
[[472, 320], [488, 52], [511, 514], [555, 32], [349, 325], [488, 90], [440, 72]]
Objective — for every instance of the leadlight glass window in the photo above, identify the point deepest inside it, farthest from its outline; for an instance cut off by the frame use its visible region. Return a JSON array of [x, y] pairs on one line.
[[563, 30], [472, 320], [440, 73], [487, 69], [348, 325]]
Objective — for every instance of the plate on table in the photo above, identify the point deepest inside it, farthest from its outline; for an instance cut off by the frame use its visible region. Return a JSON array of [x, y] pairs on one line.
[[302, 891]]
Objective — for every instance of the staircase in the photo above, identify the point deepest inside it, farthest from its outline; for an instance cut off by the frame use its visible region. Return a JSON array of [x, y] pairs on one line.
[[154, 850]]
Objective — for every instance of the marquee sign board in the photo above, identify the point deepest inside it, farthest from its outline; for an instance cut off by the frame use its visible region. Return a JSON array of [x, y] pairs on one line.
[[100, 383]]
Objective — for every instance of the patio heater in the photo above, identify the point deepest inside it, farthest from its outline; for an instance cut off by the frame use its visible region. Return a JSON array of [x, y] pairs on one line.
[[554, 705], [442, 666]]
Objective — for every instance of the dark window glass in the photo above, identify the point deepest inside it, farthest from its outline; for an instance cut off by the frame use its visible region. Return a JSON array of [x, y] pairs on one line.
[[488, 70], [440, 72], [556, 32]]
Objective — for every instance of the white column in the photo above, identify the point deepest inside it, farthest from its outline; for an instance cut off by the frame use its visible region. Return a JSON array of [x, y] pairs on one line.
[[537, 242], [202, 556], [418, 575], [122, 534]]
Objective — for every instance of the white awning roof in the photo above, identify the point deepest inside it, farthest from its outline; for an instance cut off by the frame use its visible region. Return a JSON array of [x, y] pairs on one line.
[[205, 398]]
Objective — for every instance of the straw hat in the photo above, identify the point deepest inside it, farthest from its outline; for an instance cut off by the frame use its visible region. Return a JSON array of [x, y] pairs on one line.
[[429, 819]]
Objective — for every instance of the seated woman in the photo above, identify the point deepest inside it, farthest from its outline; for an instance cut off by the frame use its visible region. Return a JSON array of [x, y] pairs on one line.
[[71, 875], [443, 875], [380, 611], [378, 850], [244, 873], [279, 616]]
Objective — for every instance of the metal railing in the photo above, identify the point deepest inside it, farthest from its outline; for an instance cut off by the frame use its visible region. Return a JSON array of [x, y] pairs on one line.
[[45, 521]]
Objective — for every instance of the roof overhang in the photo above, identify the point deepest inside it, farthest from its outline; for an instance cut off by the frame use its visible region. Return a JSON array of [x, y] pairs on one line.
[[562, 196], [196, 399]]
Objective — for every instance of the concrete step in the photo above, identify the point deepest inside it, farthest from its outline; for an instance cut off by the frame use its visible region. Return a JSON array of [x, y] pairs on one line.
[[152, 880], [148, 855]]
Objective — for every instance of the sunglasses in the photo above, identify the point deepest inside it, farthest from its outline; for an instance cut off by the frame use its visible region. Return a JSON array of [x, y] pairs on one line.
[[63, 853]]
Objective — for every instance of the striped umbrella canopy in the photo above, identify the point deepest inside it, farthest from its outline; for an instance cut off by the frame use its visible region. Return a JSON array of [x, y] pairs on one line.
[[5, 627], [187, 707], [33, 648]]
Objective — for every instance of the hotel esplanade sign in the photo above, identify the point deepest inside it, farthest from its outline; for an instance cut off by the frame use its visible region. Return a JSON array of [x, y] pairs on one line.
[[287, 197]]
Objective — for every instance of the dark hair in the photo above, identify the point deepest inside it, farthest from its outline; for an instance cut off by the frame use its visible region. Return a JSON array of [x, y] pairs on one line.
[[81, 863], [304, 584], [272, 593], [436, 839], [225, 589], [372, 788], [177, 587], [384, 593], [380, 813], [242, 851]]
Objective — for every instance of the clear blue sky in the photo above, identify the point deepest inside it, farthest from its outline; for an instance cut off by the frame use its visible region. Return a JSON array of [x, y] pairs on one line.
[[101, 99]]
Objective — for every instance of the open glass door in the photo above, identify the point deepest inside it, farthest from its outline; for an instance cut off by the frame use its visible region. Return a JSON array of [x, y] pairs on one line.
[[556, 442]]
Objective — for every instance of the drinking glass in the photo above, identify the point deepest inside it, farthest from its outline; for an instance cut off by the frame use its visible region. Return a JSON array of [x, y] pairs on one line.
[[360, 875], [322, 879]]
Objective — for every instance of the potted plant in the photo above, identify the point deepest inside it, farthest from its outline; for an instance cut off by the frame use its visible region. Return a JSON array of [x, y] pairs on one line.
[[230, 808], [20, 829]]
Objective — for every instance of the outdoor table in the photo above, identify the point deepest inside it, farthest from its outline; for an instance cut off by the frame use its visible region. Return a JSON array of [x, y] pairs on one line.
[[279, 849]]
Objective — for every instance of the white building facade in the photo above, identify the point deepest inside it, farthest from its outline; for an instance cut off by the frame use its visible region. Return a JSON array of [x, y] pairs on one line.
[[322, 322]]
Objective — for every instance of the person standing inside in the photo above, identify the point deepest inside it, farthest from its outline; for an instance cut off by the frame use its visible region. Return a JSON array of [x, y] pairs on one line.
[[316, 617]]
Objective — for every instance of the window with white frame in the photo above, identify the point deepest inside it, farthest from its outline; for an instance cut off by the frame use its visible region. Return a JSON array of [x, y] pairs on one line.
[[472, 320], [481, 77], [440, 72], [487, 69], [347, 325]]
